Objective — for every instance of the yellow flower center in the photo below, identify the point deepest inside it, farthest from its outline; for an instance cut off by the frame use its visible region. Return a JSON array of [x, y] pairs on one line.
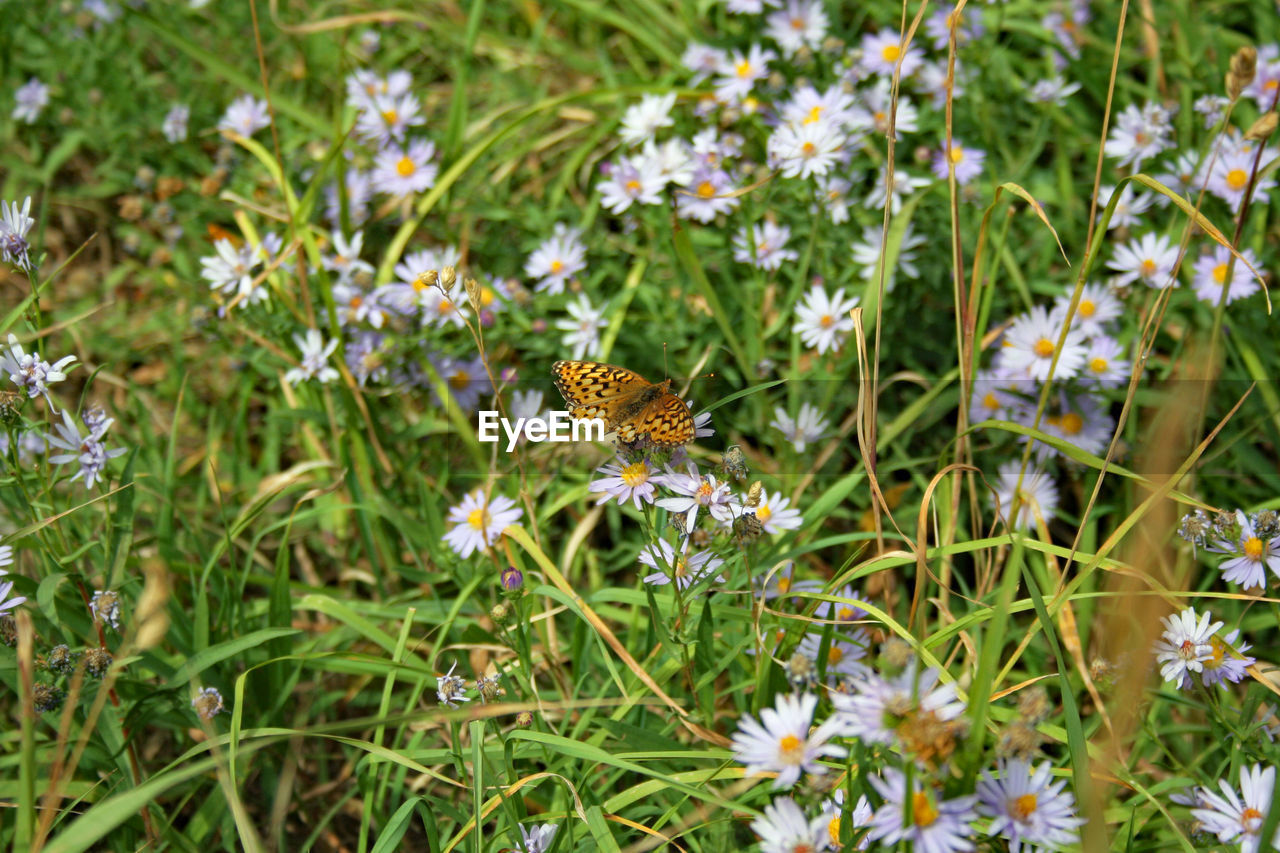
[[706, 190], [1253, 548], [405, 167], [826, 321], [478, 518], [1098, 364], [890, 52], [1250, 816], [791, 749], [1043, 348], [834, 655], [487, 296], [704, 493], [420, 283], [991, 401], [556, 266], [815, 114], [845, 613], [1219, 653], [1087, 308], [1220, 273], [1072, 423], [833, 830], [764, 513], [808, 149], [743, 68], [445, 307], [957, 154], [459, 380], [922, 811], [1023, 807], [1236, 179], [390, 116], [635, 474], [797, 24], [1148, 268], [784, 584], [633, 186], [356, 301]]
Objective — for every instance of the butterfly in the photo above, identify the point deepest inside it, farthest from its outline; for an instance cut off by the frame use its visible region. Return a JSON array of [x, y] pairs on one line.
[[629, 404]]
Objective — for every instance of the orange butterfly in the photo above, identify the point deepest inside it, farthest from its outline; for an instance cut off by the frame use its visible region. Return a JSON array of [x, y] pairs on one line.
[[630, 405]]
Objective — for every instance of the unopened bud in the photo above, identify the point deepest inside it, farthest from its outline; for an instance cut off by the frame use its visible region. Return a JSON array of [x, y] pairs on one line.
[[753, 494], [427, 279], [448, 278], [1262, 129], [473, 293], [1244, 65]]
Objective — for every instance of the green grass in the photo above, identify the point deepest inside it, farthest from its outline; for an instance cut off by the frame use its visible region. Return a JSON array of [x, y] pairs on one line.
[[285, 543]]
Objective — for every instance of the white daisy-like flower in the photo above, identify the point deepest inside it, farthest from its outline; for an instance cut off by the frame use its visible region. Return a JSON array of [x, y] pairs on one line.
[[1185, 645], [866, 255], [822, 321], [684, 569], [903, 184], [315, 357], [775, 513], [802, 150], [538, 839], [560, 257], [877, 706], [479, 522], [764, 246], [882, 54], [1037, 496], [780, 741], [695, 493], [403, 171], [739, 72], [643, 120], [809, 425], [798, 24], [1031, 342], [451, 689], [1239, 819], [1098, 306], [1028, 809], [785, 829], [246, 116], [625, 481], [1148, 259], [1129, 207], [631, 180], [582, 328], [30, 372], [936, 825], [1252, 556], [1210, 275]]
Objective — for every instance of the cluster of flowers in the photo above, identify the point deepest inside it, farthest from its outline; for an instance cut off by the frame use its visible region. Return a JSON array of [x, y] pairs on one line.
[[386, 111], [1089, 360], [1250, 541], [908, 714], [33, 375]]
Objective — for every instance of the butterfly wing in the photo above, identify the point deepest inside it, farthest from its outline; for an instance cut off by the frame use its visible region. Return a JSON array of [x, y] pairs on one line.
[[591, 384], [666, 421]]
